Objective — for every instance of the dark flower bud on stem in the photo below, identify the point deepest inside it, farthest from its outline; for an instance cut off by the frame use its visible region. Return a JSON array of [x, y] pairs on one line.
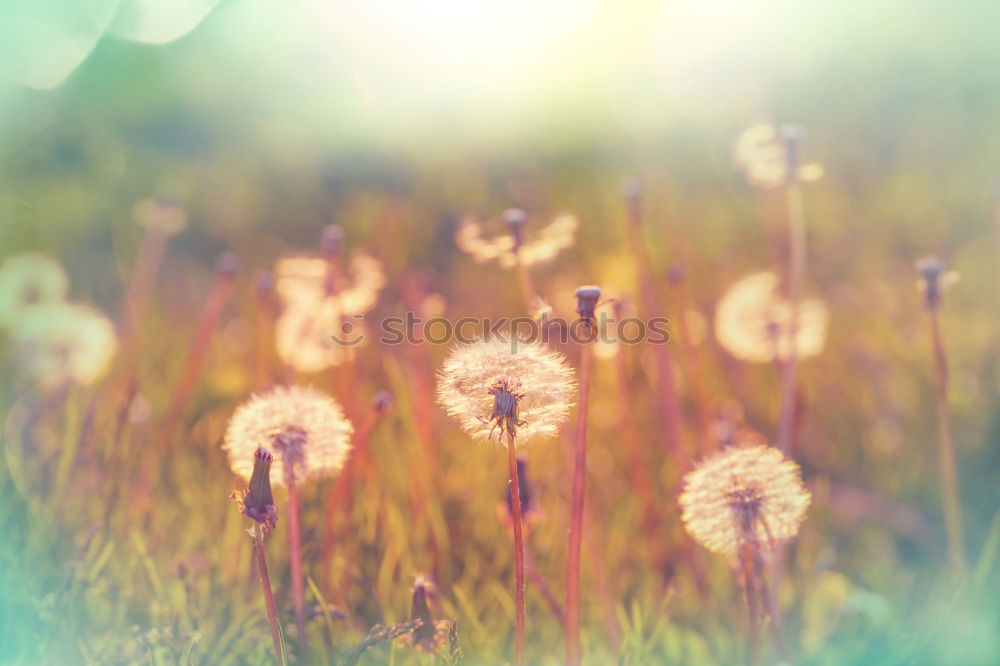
[[515, 219], [332, 239], [586, 302], [226, 265], [631, 190], [931, 270], [258, 501], [526, 492], [792, 136]]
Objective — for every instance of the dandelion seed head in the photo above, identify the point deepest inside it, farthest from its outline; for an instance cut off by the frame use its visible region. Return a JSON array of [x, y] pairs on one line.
[[753, 323], [305, 280], [744, 496], [62, 342], [162, 213], [302, 336], [542, 246], [765, 155], [306, 430], [27, 280], [313, 312], [485, 386]]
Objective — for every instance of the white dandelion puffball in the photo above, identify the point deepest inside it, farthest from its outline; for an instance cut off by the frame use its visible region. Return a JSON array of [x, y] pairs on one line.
[[304, 428], [537, 381], [62, 342], [754, 323]]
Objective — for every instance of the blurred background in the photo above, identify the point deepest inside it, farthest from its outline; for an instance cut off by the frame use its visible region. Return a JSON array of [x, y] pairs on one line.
[[267, 121]]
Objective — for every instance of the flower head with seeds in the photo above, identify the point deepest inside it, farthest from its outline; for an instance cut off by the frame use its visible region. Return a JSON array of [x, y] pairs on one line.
[[743, 496], [319, 303], [754, 323], [762, 153], [61, 342], [162, 214], [520, 388], [27, 280], [306, 430], [545, 244]]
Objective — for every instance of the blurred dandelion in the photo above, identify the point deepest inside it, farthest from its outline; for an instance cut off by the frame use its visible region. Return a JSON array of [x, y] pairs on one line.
[[518, 387], [761, 153], [306, 280], [317, 305], [545, 244], [59, 342], [307, 430], [753, 323], [515, 250], [27, 280], [744, 496], [302, 336]]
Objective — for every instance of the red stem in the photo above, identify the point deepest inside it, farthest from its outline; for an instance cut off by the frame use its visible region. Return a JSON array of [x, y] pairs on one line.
[[515, 500], [946, 453], [749, 582], [265, 583], [573, 654], [298, 582], [796, 268]]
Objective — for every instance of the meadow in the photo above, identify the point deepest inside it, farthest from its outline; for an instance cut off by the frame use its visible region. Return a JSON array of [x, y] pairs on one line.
[[202, 242]]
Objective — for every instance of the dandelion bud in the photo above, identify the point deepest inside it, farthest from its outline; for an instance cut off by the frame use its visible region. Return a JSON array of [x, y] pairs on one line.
[[332, 239], [934, 279], [164, 213], [675, 275], [792, 136], [527, 502], [382, 401], [515, 219], [226, 265], [632, 191], [264, 284], [586, 299], [430, 636], [420, 609], [258, 502]]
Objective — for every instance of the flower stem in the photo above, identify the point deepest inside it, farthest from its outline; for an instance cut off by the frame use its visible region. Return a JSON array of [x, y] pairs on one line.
[[946, 452], [797, 262], [298, 582], [265, 583], [749, 583], [573, 654], [515, 500], [528, 293]]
